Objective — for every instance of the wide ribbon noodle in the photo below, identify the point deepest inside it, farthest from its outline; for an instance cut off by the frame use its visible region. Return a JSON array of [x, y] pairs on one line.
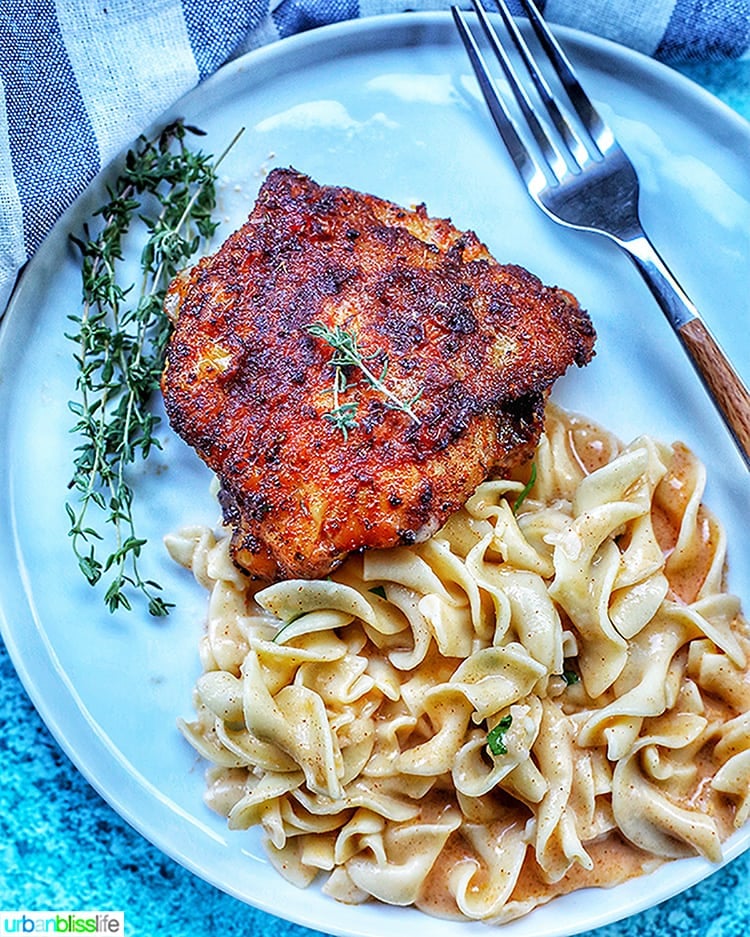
[[551, 692]]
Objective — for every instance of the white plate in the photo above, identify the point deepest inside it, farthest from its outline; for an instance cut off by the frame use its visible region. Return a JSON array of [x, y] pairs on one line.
[[387, 106]]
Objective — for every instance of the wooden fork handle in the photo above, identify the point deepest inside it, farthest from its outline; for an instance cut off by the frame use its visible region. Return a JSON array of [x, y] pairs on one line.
[[729, 393], [725, 387]]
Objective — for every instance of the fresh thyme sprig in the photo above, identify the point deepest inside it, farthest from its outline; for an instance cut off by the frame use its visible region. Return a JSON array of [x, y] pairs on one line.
[[347, 354], [165, 195]]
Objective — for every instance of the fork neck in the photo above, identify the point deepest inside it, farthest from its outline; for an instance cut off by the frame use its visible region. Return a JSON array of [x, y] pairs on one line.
[[722, 382], [672, 299]]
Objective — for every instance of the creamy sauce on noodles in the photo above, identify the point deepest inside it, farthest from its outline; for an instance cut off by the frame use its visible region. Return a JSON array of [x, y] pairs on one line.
[[590, 448], [669, 505], [350, 718]]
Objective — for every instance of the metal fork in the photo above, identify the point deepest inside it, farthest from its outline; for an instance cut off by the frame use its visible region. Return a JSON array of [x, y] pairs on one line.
[[582, 179]]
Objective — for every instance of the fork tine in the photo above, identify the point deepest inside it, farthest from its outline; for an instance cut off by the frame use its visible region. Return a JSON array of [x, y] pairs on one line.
[[599, 133], [521, 156], [551, 154], [572, 141]]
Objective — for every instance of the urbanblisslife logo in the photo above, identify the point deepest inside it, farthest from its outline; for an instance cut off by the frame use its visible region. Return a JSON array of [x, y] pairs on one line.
[[103, 923]]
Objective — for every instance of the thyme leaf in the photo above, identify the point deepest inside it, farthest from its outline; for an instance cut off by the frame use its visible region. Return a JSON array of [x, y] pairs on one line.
[[164, 196], [496, 736], [347, 354], [526, 490], [286, 624]]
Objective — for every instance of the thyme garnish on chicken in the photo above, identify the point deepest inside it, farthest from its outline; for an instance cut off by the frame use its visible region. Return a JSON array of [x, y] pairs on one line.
[[347, 354], [165, 195]]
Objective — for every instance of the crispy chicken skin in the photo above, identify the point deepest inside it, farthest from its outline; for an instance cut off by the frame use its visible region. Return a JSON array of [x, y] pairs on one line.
[[246, 384]]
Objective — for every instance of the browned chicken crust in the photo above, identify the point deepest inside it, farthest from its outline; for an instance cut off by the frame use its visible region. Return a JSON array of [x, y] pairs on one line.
[[478, 344]]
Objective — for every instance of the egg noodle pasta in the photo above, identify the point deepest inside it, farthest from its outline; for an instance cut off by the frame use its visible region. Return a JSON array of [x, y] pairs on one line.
[[551, 692]]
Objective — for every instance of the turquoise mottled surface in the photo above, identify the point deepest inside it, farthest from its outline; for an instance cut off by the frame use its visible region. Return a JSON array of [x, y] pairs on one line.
[[63, 847]]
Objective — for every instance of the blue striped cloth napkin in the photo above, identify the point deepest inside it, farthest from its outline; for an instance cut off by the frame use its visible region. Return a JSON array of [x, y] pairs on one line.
[[80, 79]]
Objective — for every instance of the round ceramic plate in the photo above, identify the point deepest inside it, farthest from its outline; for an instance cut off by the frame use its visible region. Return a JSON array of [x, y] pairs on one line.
[[387, 106]]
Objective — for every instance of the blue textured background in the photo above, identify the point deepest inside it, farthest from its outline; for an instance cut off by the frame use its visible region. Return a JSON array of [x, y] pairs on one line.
[[62, 847]]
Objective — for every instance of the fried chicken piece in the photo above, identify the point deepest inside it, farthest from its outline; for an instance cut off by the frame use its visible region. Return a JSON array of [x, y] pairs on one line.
[[475, 344]]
